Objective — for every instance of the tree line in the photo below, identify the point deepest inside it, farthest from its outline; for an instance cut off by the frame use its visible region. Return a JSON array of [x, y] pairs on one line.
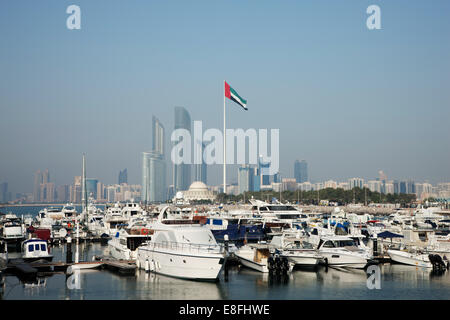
[[339, 196]]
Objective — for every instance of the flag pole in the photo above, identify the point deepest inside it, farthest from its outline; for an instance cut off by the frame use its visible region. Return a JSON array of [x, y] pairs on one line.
[[224, 144]]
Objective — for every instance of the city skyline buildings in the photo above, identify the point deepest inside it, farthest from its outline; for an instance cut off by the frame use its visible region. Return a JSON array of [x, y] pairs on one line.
[[181, 172], [154, 170]]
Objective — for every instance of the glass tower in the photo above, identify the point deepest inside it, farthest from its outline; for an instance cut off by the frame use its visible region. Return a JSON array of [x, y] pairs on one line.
[[301, 171], [182, 172]]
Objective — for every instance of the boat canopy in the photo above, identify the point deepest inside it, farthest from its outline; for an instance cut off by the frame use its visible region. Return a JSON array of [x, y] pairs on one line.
[[388, 234]]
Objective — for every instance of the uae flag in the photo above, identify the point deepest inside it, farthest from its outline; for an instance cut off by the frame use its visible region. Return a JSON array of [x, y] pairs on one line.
[[231, 94]]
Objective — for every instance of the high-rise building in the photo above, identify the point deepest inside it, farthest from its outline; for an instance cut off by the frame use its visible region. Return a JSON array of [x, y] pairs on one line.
[[37, 186], [245, 178], [45, 176], [301, 171], [123, 176], [62, 193], [200, 169], [154, 181], [4, 192], [158, 136], [91, 188], [154, 188], [264, 172], [75, 192], [182, 172], [356, 183]]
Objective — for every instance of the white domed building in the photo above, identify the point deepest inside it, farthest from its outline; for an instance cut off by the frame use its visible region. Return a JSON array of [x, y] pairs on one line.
[[198, 191]]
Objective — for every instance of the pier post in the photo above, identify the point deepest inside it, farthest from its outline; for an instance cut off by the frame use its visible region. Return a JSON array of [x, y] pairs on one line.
[[226, 258], [375, 247], [69, 250]]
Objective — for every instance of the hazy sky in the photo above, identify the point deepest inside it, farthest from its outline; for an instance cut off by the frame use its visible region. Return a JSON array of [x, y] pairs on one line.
[[348, 100]]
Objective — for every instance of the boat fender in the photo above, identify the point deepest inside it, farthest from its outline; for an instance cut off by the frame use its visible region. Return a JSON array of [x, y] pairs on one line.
[[147, 266]]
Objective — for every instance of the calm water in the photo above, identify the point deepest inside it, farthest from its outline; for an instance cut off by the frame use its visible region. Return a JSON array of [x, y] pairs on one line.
[[397, 282]]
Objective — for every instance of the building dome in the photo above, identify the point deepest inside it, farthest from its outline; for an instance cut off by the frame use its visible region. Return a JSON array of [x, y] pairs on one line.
[[198, 191], [198, 186]]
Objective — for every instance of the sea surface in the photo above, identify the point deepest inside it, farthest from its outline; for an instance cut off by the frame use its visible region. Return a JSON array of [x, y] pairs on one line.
[[396, 282]]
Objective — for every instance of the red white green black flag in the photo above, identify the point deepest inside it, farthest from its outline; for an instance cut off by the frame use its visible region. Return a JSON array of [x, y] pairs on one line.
[[231, 94]]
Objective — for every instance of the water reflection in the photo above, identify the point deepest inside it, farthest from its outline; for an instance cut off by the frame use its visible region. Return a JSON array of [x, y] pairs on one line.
[[397, 282]]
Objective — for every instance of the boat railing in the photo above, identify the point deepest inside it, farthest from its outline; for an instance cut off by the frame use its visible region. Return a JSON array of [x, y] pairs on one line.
[[188, 247]]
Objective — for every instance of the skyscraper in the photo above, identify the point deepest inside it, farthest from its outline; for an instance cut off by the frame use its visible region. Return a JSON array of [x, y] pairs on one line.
[[245, 178], [123, 176], [182, 172], [154, 188], [4, 192], [301, 171], [158, 136], [154, 182], [45, 176], [37, 186], [200, 170], [264, 172], [91, 188]]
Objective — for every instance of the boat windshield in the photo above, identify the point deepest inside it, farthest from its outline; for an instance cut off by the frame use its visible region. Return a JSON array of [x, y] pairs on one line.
[[344, 243]]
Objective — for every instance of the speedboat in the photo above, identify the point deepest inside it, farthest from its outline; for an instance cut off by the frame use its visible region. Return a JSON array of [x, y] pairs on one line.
[[342, 251], [410, 258], [181, 248], [254, 256], [35, 249], [296, 250]]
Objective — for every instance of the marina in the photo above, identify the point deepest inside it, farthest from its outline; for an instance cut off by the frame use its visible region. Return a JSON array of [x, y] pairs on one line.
[[173, 244]]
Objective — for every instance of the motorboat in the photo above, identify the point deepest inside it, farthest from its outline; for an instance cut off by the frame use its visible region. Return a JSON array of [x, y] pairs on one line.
[[132, 209], [123, 245], [53, 213], [342, 251], [181, 248], [69, 211], [297, 250], [410, 258], [35, 249], [12, 231], [254, 256]]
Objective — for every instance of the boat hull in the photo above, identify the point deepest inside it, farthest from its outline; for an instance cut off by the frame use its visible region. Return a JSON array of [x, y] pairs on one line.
[[410, 259], [246, 262], [182, 265], [335, 259]]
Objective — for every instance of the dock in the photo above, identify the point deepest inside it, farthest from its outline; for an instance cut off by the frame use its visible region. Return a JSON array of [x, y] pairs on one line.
[[122, 266]]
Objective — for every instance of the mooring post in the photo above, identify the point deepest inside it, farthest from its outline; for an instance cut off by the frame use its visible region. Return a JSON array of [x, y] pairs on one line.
[[225, 238], [69, 250]]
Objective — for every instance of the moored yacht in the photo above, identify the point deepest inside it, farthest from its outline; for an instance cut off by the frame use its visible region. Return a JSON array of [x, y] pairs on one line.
[[341, 251], [123, 245], [181, 248]]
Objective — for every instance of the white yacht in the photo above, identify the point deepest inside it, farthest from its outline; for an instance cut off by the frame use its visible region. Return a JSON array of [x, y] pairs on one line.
[[182, 249], [114, 220], [123, 245], [35, 249], [132, 209], [410, 258], [296, 250], [69, 210], [12, 230], [342, 251], [50, 213]]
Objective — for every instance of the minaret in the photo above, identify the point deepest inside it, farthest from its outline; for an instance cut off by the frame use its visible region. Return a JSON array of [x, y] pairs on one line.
[[83, 186]]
